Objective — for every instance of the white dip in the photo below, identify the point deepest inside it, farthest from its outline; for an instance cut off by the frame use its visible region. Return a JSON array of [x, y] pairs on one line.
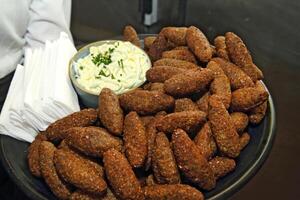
[[120, 66]]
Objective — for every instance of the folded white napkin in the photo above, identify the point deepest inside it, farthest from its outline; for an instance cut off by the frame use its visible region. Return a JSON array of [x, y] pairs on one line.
[[41, 91]]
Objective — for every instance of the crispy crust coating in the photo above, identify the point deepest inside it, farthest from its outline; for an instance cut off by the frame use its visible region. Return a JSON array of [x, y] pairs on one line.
[[221, 47], [82, 195], [202, 103], [221, 166], [198, 43], [175, 63], [110, 112], [185, 104], [240, 55], [191, 162], [48, 171], [121, 176], [159, 45], [190, 82], [257, 114], [130, 35], [79, 172], [247, 98], [240, 121], [83, 118], [148, 41], [33, 156], [162, 73], [146, 102], [244, 140], [237, 77], [92, 141], [163, 161], [221, 86], [181, 54], [157, 87], [205, 141], [186, 120], [146, 120], [172, 192], [223, 129], [175, 34], [135, 140], [215, 68]]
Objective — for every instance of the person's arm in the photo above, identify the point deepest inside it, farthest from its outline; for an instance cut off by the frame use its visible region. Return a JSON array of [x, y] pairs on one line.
[[47, 19]]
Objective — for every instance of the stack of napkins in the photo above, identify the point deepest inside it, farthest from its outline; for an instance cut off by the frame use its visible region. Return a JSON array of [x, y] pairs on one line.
[[40, 92]]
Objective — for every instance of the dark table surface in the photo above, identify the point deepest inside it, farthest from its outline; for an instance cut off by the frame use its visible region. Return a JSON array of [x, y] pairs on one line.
[[271, 30]]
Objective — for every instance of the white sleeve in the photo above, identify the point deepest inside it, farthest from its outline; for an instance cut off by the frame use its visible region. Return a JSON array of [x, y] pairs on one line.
[[47, 19]]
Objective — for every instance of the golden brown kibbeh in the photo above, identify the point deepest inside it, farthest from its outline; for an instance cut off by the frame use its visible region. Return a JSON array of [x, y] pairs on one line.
[[82, 195], [190, 82], [148, 41], [191, 162], [79, 172], [202, 103], [221, 47], [189, 121], [181, 54], [146, 102], [135, 140], [175, 63], [110, 112], [215, 68], [162, 73], [205, 141], [172, 192], [159, 45], [223, 129], [48, 170], [240, 121], [175, 34], [240, 56], [33, 156], [163, 161], [130, 35], [257, 113], [121, 176], [244, 140], [85, 117], [221, 86], [199, 44], [185, 104], [92, 141], [221, 166]]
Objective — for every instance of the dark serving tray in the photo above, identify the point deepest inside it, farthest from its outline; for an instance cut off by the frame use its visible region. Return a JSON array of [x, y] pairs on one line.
[[14, 153]]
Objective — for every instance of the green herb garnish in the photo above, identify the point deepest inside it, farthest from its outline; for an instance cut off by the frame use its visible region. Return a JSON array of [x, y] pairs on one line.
[[81, 67], [102, 73], [112, 76], [102, 58]]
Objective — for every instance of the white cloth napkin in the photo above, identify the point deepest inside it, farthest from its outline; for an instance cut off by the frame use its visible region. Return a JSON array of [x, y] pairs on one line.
[[40, 92]]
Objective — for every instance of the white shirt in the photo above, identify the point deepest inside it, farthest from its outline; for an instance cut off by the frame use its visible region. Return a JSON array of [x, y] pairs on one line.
[[29, 23]]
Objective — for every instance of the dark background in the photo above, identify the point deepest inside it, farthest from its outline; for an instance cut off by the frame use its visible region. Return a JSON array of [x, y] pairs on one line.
[[271, 30]]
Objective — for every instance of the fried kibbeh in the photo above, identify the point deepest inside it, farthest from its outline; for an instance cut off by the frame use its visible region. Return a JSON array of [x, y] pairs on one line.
[[205, 141], [162, 73], [92, 141], [221, 86], [186, 120], [240, 121], [146, 102], [172, 192], [157, 87], [146, 120], [199, 44], [237, 77], [221, 48], [257, 113], [159, 45], [83, 195], [49, 173], [221, 166], [175, 63], [202, 103], [33, 156], [215, 68], [135, 140], [245, 99], [163, 162], [223, 129], [240, 56], [175, 34], [244, 140], [148, 41], [79, 172], [185, 104], [191, 162], [121, 176], [180, 54], [190, 82], [130, 35], [110, 113], [85, 117]]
